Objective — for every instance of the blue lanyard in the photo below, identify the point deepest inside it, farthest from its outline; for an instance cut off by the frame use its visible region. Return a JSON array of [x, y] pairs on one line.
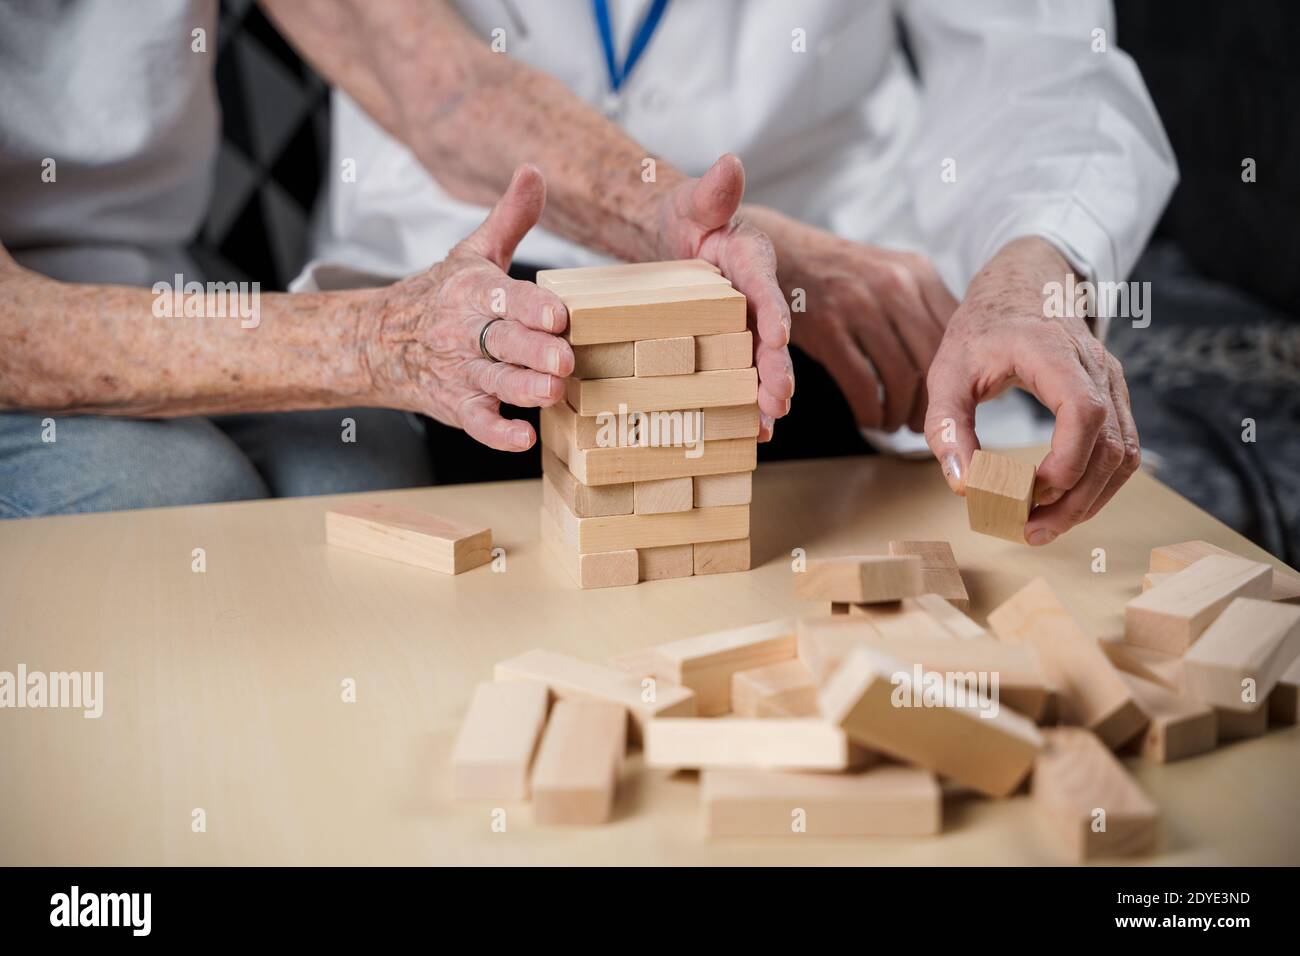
[[640, 40]]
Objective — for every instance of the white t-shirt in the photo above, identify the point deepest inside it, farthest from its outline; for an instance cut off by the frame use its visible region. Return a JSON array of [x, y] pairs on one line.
[[108, 131]]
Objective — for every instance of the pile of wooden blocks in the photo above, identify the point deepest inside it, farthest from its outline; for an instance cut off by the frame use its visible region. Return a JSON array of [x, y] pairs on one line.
[[648, 463], [859, 721]]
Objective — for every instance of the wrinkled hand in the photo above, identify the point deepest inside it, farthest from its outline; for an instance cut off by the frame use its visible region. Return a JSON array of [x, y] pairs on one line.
[[420, 336], [697, 219], [873, 317], [1000, 337]]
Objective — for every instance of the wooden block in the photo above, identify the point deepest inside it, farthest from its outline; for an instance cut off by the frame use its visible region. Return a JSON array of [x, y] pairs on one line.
[[902, 619], [823, 641], [999, 492], [1152, 578], [654, 357], [784, 689], [409, 536], [1177, 726], [1090, 691], [578, 763], [778, 743], [881, 801], [663, 392], [1157, 667], [1171, 617], [714, 491], [729, 350], [705, 663], [606, 569], [620, 532], [1241, 656], [1284, 702], [1241, 724], [660, 564], [1079, 787], [570, 678], [679, 429], [859, 579], [626, 316], [948, 615], [632, 275], [721, 557], [1175, 557], [874, 699], [731, 421], [495, 746], [939, 572], [663, 496], [587, 501], [609, 360]]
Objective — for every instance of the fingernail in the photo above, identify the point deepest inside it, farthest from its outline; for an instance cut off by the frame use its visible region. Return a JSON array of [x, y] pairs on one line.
[[952, 471], [1041, 537], [543, 388], [1047, 496], [548, 319], [553, 360], [520, 437]]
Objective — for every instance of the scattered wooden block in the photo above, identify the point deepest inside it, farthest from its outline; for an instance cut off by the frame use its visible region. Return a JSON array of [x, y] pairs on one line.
[[610, 360], [1177, 727], [1284, 702], [732, 421], [784, 689], [705, 663], [939, 572], [654, 357], [729, 350], [1241, 724], [570, 678], [714, 491], [1157, 667], [901, 619], [823, 641], [412, 537], [778, 743], [1241, 656], [990, 750], [859, 579], [620, 532], [578, 763], [880, 801], [1090, 692], [1089, 799], [949, 616], [661, 564], [495, 746], [1171, 617], [999, 494], [663, 496], [1153, 578], [1175, 557], [603, 396], [587, 501], [721, 557], [627, 316], [605, 569]]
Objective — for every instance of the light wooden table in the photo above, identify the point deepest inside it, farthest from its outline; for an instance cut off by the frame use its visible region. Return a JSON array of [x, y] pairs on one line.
[[223, 689]]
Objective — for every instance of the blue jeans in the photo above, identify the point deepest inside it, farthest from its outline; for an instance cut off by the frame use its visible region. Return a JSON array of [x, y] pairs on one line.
[[109, 464]]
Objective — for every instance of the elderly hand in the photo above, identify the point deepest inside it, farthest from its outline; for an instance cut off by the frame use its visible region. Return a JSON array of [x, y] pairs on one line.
[[999, 337], [420, 337]]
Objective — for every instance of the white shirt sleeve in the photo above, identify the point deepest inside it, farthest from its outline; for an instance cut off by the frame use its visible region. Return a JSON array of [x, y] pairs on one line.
[[1040, 135]]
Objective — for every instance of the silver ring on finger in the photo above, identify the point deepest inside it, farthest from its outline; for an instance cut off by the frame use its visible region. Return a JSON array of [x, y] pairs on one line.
[[482, 340]]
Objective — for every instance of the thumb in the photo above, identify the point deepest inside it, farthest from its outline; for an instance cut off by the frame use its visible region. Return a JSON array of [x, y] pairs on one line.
[[715, 197], [950, 423], [517, 211]]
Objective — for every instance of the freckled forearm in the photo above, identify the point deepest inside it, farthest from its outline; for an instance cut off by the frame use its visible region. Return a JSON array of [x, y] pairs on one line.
[[99, 349]]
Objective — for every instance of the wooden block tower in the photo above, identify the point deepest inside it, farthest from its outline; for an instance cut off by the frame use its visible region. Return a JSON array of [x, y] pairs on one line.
[[648, 463]]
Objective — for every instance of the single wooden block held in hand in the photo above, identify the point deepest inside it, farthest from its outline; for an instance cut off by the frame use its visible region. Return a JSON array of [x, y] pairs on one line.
[[999, 493], [730, 421], [409, 536], [596, 317], [1173, 616], [1174, 557], [784, 689], [721, 557], [714, 491], [1177, 726], [663, 496], [600, 569], [674, 356], [578, 763], [939, 572], [1090, 691], [495, 746], [778, 743], [976, 743], [660, 564], [880, 801], [570, 678], [1089, 799], [729, 350], [1241, 656], [860, 579]]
